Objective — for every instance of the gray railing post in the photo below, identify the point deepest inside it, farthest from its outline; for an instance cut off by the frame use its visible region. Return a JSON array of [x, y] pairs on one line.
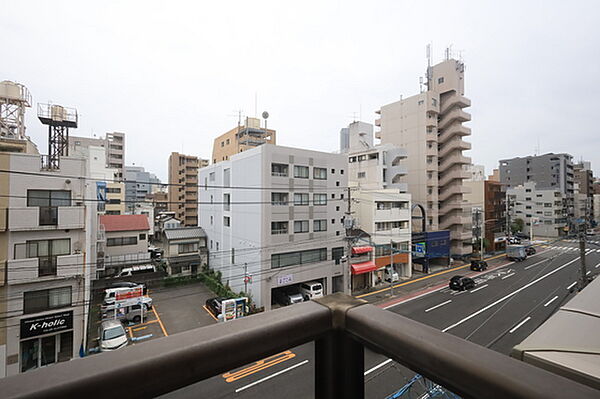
[[339, 359]]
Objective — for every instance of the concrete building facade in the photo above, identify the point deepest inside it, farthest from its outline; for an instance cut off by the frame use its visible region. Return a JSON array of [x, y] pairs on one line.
[[183, 187], [242, 138], [430, 127], [542, 210], [138, 184], [113, 143], [122, 242], [286, 231]]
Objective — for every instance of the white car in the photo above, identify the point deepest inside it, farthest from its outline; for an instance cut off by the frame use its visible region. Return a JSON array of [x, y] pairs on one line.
[[311, 290], [112, 336]]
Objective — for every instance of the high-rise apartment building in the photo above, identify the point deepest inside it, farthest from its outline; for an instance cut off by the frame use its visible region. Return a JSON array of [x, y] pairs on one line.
[[583, 190], [241, 138], [287, 230], [429, 126], [114, 143], [138, 184], [183, 187]]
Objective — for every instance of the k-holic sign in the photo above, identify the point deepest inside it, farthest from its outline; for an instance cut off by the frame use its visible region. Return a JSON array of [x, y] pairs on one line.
[[46, 324]]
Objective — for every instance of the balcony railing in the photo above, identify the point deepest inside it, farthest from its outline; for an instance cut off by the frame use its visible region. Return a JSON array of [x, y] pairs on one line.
[[341, 327]]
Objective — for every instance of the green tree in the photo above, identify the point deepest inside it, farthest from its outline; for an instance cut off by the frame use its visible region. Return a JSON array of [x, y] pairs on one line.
[[517, 225]]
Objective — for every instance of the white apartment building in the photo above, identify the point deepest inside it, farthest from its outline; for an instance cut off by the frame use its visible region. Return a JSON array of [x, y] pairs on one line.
[[386, 216], [430, 127], [45, 244], [273, 219], [542, 209]]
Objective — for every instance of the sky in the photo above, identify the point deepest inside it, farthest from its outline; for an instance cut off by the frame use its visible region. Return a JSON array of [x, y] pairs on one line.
[[173, 75]]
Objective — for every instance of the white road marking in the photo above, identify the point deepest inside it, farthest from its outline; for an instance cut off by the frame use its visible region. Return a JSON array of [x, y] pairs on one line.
[[415, 297], [479, 288], [508, 275], [572, 285], [519, 325], [369, 371], [508, 296], [588, 272], [437, 306], [271, 376], [550, 301], [535, 264], [598, 265]]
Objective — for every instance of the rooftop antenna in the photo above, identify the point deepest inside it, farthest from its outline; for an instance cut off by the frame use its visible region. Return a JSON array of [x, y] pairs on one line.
[[537, 147], [428, 73]]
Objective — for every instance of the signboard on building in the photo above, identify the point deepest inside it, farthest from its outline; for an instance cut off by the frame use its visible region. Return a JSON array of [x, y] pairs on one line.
[[129, 293], [419, 249], [46, 324], [285, 280]]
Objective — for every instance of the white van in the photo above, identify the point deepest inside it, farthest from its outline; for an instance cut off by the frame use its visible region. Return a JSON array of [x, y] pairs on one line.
[[391, 275], [311, 290], [134, 313], [110, 294], [136, 270], [112, 336]]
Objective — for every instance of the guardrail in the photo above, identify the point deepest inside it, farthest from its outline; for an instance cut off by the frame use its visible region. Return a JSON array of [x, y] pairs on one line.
[[341, 327]]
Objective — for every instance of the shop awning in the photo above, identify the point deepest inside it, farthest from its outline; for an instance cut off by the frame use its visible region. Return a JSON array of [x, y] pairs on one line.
[[364, 267], [361, 250]]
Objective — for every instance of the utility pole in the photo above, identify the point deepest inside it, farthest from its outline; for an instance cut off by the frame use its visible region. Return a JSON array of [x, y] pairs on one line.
[[348, 223], [391, 268], [583, 277], [245, 278], [507, 217], [478, 231]]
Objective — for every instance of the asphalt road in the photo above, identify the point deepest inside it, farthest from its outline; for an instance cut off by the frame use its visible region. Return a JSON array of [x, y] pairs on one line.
[[506, 305]]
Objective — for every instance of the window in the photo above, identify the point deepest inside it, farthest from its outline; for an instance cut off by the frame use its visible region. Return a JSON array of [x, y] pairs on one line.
[[46, 251], [440, 80], [187, 248], [227, 141], [279, 227], [211, 176], [421, 102], [279, 169], [300, 198], [320, 225], [120, 241], [226, 221], [279, 198], [361, 175], [319, 199], [222, 144], [211, 220], [527, 190], [47, 350], [226, 202], [337, 254], [332, 171], [301, 172], [320, 173], [42, 300], [298, 258], [434, 102], [113, 190], [48, 201], [301, 226], [142, 237]]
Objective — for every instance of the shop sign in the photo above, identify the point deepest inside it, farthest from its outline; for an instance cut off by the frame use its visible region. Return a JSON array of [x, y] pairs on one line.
[[46, 324], [285, 280]]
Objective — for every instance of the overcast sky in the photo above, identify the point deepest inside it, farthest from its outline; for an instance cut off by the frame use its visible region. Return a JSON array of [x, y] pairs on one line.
[[172, 75]]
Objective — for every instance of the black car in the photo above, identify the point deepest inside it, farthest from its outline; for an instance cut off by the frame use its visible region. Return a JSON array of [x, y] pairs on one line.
[[478, 265], [214, 305], [461, 283], [522, 236], [530, 251]]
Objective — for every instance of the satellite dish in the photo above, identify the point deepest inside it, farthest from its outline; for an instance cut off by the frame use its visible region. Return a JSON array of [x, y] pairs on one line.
[[265, 115]]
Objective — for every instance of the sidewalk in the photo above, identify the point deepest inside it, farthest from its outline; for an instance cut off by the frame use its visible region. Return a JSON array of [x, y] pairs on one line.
[[420, 283]]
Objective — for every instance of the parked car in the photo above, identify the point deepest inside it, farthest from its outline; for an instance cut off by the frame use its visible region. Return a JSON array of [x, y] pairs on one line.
[[461, 283], [127, 284], [136, 270], [513, 240], [590, 232], [478, 265], [288, 297], [530, 251], [522, 236], [145, 300], [390, 275], [130, 313], [214, 305], [111, 294], [311, 290], [112, 336]]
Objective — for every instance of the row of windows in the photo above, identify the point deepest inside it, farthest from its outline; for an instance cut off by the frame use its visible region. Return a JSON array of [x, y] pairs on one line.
[[386, 205], [300, 199], [364, 157], [300, 226], [48, 198], [187, 248], [120, 241], [298, 257], [300, 172], [42, 300], [397, 224]]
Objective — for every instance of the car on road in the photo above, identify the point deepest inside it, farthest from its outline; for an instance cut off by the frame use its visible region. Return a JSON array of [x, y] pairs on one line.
[[522, 236], [513, 240], [461, 283], [590, 232], [311, 290], [478, 265], [112, 336], [530, 251]]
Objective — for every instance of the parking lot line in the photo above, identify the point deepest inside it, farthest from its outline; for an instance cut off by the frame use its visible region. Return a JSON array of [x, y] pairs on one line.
[[210, 313], [139, 328], [162, 327]]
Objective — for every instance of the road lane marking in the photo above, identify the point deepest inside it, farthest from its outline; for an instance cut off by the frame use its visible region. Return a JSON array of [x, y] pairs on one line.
[[369, 371], [508, 275], [550, 301], [572, 285], [507, 296], [271, 376], [519, 325], [259, 365], [588, 273], [479, 288], [598, 265], [437, 306], [162, 327], [535, 264], [210, 313]]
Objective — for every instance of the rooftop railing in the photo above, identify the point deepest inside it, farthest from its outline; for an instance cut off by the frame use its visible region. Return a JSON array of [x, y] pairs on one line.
[[341, 327]]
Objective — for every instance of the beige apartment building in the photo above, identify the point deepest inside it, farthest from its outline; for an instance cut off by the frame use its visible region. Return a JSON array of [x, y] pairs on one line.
[[241, 138], [183, 187], [430, 127], [113, 143]]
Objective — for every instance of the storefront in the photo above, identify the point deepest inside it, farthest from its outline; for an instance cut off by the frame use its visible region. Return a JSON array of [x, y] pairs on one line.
[[363, 276], [45, 340]]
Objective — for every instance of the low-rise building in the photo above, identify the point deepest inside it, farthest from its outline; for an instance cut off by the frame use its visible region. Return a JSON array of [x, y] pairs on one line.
[[122, 242], [287, 230], [185, 250]]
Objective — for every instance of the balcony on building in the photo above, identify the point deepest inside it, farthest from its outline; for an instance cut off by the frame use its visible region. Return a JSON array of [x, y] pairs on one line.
[[44, 268], [34, 218], [455, 115], [455, 101]]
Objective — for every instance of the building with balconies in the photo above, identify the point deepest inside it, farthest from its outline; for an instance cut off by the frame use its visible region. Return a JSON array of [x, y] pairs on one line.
[[183, 187], [138, 184], [114, 145], [429, 126], [273, 219], [47, 261], [242, 138]]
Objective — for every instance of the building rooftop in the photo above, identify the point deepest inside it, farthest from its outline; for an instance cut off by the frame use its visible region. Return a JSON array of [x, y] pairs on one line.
[[124, 222], [184, 232]]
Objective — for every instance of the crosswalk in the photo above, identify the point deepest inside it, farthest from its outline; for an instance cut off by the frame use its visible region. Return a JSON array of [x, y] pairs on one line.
[[567, 249]]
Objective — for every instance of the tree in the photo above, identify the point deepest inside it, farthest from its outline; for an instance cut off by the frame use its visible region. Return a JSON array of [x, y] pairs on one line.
[[477, 245], [517, 225]]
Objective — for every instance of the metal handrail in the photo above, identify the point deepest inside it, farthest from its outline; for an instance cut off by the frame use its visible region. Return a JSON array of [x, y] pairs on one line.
[[340, 326]]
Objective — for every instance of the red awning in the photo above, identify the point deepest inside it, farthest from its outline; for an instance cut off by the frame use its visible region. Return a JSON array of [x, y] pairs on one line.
[[361, 250], [364, 267]]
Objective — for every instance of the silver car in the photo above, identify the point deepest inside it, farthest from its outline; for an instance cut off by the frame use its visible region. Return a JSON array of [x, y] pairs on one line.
[[112, 336]]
